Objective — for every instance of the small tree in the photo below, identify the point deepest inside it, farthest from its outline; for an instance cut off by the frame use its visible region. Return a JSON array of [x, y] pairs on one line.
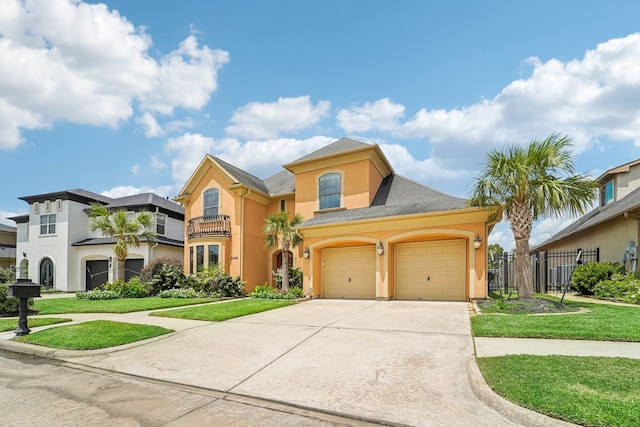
[[127, 229], [278, 229], [529, 183]]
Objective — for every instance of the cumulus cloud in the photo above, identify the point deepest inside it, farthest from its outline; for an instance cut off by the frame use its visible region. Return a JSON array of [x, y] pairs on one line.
[[152, 128], [379, 115], [129, 190], [64, 60], [258, 120]]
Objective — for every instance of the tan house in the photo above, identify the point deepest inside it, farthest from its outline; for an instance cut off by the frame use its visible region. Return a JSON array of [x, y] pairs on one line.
[[8, 237], [368, 233], [612, 227]]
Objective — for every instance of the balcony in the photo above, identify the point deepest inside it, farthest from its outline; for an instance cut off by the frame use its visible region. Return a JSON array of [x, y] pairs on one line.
[[206, 226]]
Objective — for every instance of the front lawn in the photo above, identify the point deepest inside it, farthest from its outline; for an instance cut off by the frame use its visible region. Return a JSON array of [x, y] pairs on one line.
[[590, 391], [32, 322], [603, 322], [92, 335], [225, 311], [124, 305]]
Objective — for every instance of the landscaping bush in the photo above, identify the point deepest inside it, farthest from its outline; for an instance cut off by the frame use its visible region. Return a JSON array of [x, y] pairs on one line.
[[8, 306], [7, 275], [587, 276], [156, 265], [228, 287], [97, 294], [625, 287], [169, 276], [131, 289], [295, 277], [269, 292], [207, 280]]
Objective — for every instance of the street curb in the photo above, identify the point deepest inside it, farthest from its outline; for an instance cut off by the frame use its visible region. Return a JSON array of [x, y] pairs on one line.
[[505, 408]]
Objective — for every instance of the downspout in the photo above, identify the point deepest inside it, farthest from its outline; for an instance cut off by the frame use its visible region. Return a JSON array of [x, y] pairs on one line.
[[242, 231], [155, 245]]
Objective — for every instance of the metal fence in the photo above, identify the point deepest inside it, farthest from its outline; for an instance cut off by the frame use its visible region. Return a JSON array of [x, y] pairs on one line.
[[551, 270]]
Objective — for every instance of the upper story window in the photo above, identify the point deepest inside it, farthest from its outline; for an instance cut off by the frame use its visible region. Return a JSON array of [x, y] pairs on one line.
[[211, 202], [606, 193], [330, 191], [161, 221], [283, 205], [48, 224]]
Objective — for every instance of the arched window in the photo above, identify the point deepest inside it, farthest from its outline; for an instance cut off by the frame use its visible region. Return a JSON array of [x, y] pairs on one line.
[[46, 273], [329, 192], [211, 202]]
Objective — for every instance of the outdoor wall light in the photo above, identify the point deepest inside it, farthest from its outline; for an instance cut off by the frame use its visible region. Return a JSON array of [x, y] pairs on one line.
[[477, 242], [380, 248], [306, 253]]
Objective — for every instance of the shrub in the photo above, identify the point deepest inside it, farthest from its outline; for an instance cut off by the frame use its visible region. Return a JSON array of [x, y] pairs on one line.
[[180, 293], [625, 287], [8, 306], [207, 280], [228, 286], [295, 277], [587, 276], [7, 275], [168, 277], [156, 265], [97, 294], [131, 289], [269, 292]]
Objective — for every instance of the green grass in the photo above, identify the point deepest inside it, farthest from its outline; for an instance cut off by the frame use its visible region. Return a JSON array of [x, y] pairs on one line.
[[604, 322], [32, 322], [126, 305], [92, 335], [590, 391], [225, 311]]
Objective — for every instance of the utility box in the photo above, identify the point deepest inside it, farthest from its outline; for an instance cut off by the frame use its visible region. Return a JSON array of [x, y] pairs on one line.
[[24, 288]]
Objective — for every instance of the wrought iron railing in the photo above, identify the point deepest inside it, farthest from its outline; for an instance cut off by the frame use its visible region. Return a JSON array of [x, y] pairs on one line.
[[214, 225]]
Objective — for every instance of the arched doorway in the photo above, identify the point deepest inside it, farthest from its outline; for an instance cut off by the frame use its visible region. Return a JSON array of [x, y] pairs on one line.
[[46, 273]]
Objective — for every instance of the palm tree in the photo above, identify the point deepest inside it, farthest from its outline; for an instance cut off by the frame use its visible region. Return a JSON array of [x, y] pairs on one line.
[[127, 229], [529, 183], [278, 229]]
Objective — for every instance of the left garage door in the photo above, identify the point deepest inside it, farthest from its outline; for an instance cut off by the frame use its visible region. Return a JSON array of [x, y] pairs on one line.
[[350, 272]]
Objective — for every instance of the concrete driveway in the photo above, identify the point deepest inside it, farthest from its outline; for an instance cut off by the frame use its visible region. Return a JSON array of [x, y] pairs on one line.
[[395, 362]]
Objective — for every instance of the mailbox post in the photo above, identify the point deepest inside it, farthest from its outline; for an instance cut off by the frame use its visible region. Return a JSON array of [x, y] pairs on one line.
[[23, 289]]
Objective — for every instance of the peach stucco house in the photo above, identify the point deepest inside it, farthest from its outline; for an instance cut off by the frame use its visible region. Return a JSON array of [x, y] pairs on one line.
[[368, 233]]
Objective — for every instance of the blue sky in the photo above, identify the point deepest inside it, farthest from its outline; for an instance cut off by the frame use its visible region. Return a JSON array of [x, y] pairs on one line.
[[128, 96]]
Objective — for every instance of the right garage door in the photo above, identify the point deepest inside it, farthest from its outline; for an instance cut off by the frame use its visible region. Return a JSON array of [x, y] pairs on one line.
[[431, 270]]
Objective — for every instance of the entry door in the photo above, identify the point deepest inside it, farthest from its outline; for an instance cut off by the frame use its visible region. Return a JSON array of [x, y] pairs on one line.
[[350, 272], [431, 270], [97, 273]]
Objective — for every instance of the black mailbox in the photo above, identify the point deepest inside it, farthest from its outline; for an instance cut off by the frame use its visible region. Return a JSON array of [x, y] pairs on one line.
[[24, 288]]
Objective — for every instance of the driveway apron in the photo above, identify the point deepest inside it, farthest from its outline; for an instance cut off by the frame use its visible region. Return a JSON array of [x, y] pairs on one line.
[[403, 362]]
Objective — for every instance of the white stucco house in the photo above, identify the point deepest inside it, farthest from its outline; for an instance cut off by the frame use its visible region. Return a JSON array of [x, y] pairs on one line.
[[56, 248]]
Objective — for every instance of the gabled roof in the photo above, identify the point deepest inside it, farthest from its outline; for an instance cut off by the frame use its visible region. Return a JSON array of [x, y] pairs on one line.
[[281, 183], [242, 177], [617, 170], [599, 215], [396, 196], [339, 146]]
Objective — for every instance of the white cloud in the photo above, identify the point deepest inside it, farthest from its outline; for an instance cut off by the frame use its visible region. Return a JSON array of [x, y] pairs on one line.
[[187, 151], [64, 60], [129, 190], [150, 125], [135, 169], [156, 163], [268, 120], [379, 115]]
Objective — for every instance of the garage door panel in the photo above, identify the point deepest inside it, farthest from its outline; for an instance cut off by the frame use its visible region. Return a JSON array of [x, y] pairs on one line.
[[431, 270], [350, 272]]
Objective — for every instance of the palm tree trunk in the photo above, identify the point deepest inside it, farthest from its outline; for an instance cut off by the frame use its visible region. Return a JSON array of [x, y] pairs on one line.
[[520, 220], [285, 268], [121, 269]]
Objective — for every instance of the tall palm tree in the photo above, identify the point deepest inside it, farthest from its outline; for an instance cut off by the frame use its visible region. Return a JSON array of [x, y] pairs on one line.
[[127, 229], [278, 229], [529, 183]]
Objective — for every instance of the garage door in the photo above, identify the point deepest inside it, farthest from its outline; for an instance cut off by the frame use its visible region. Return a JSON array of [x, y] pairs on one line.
[[431, 270], [350, 272]]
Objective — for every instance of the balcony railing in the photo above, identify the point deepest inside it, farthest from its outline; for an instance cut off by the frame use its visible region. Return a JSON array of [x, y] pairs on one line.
[[203, 226]]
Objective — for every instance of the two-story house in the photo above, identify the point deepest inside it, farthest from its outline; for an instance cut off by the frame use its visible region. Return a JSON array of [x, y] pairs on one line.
[[56, 247], [8, 237], [611, 227], [368, 232]]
